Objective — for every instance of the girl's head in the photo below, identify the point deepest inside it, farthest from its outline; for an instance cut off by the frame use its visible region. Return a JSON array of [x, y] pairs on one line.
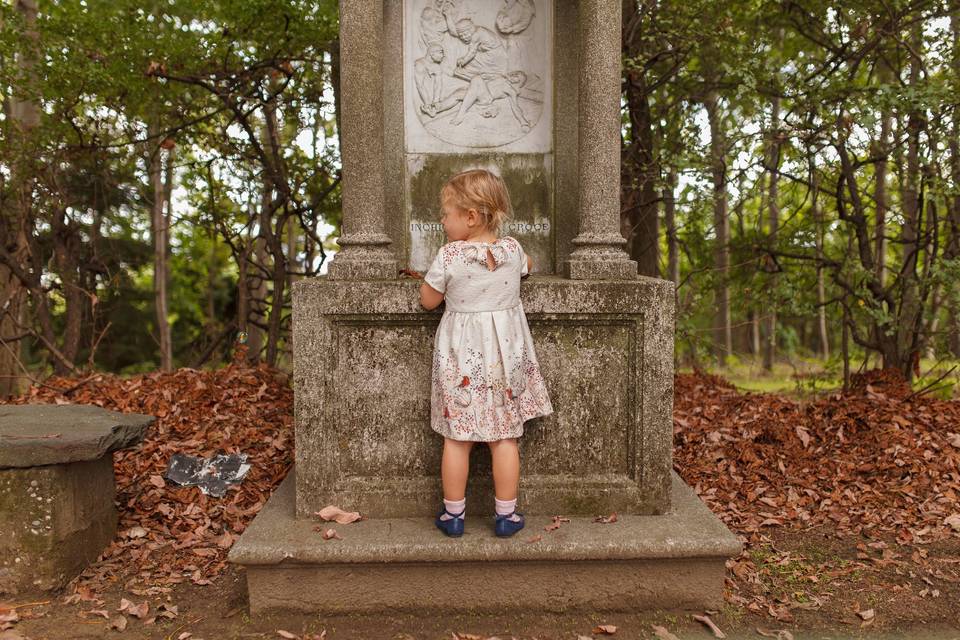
[[474, 202]]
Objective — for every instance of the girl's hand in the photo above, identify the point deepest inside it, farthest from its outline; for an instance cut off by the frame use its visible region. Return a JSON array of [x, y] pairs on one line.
[[430, 298], [410, 273]]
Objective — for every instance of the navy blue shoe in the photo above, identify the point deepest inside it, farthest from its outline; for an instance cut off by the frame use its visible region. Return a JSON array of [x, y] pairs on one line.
[[452, 527], [505, 527]]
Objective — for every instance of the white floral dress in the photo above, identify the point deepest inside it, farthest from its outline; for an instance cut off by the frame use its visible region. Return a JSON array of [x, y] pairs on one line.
[[486, 381]]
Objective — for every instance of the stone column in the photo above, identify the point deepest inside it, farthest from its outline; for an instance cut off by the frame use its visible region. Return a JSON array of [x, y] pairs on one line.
[[365, 251], [598, 248]]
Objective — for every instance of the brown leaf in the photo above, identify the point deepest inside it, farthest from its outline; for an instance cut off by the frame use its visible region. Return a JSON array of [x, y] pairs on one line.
[[866, 615], [158, 481], [536, 538], [717, 633], [606, 519], [331, 512], [330, 534], [662, 633], [606, 629], [953, 521], [557, 521], [286, 634], [119, 623]]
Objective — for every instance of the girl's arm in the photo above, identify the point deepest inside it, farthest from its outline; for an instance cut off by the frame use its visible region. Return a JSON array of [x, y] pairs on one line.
[[430, 298]]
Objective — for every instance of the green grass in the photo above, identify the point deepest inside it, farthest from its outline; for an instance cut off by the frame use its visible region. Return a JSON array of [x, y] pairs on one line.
[[806, 377]]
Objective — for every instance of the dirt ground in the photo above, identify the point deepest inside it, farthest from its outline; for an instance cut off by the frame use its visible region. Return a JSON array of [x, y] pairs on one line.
[[821, 581]]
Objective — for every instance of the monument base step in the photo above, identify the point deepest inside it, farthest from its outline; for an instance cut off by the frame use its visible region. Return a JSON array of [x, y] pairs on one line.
[[671, 561]]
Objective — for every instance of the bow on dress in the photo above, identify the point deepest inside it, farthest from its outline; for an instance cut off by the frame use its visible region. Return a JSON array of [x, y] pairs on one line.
[[478, 253]]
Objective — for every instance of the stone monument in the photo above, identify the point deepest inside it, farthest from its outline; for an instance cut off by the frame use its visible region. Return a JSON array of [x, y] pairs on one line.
[[529, 89]]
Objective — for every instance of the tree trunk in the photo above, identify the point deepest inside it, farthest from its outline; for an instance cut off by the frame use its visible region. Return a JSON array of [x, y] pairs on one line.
[[168, 181], [272, 223], [670, 218], [24, 115], [819, 230], [640, 223], [952, 251], [881, 148], [723, 336], [773, 219], [159, 227], [911, 306]]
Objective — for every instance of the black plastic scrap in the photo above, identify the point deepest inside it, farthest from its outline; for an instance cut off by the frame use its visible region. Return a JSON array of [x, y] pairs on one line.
[[212, 475]]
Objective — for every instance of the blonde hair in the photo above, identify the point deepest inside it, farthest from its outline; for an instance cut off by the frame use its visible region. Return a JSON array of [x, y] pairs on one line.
[[481, 190]]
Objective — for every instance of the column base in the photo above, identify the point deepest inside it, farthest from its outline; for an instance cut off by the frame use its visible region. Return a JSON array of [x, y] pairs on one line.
[[592, 268], [361, 261]]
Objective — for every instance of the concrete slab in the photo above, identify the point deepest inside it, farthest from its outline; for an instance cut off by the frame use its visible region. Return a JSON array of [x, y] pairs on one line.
[[32, 435], [676, 560]]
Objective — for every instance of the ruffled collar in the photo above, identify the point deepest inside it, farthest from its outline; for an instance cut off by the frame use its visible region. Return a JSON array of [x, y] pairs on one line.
[[477, 252]]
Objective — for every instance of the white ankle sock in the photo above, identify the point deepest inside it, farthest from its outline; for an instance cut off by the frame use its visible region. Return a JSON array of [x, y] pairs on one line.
[[456, 507], [506, 507]]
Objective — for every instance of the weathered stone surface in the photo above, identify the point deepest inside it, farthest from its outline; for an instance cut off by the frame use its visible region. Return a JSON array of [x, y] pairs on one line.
[[675, 560], [42, 434], [56, 520], [365, 246], [57, 489], [528, 177], [362, 381]]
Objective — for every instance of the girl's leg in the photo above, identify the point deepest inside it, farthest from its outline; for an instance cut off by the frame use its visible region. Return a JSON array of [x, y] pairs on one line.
[[454, 466], [506, 468]]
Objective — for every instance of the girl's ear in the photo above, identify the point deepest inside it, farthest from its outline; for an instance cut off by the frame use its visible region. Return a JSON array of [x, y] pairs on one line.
[[472, 217]]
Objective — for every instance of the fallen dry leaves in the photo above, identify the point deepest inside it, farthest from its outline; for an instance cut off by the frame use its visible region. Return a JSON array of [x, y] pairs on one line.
[[877, 461], [169, 534], [714, 629], [871, 461], [331, 512], [556, 524], [605, 629]]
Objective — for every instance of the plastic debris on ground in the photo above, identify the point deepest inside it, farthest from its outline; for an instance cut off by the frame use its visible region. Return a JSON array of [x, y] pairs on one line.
[[212, 475]]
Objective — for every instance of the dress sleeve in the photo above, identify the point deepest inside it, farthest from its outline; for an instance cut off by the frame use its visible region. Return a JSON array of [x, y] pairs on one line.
[[523, 260], [436, 275]]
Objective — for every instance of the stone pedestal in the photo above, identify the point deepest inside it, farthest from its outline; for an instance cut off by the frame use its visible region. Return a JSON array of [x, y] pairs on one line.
[[529, 90], [57, 489], [362, 398]]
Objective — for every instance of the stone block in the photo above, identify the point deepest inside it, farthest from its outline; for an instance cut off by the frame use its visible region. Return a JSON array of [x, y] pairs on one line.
[[57, 490], [362, 399], [675, 561], [56, 520], [37, 434]]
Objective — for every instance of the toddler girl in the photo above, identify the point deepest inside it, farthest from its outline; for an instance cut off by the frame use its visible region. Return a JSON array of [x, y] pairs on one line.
[[486, 380]]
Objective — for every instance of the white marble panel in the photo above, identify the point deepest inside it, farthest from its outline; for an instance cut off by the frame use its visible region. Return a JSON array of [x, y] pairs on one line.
[[478, 75]]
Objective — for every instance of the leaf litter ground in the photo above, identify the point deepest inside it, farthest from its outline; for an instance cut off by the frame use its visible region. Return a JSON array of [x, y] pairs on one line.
[[846, 504]]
